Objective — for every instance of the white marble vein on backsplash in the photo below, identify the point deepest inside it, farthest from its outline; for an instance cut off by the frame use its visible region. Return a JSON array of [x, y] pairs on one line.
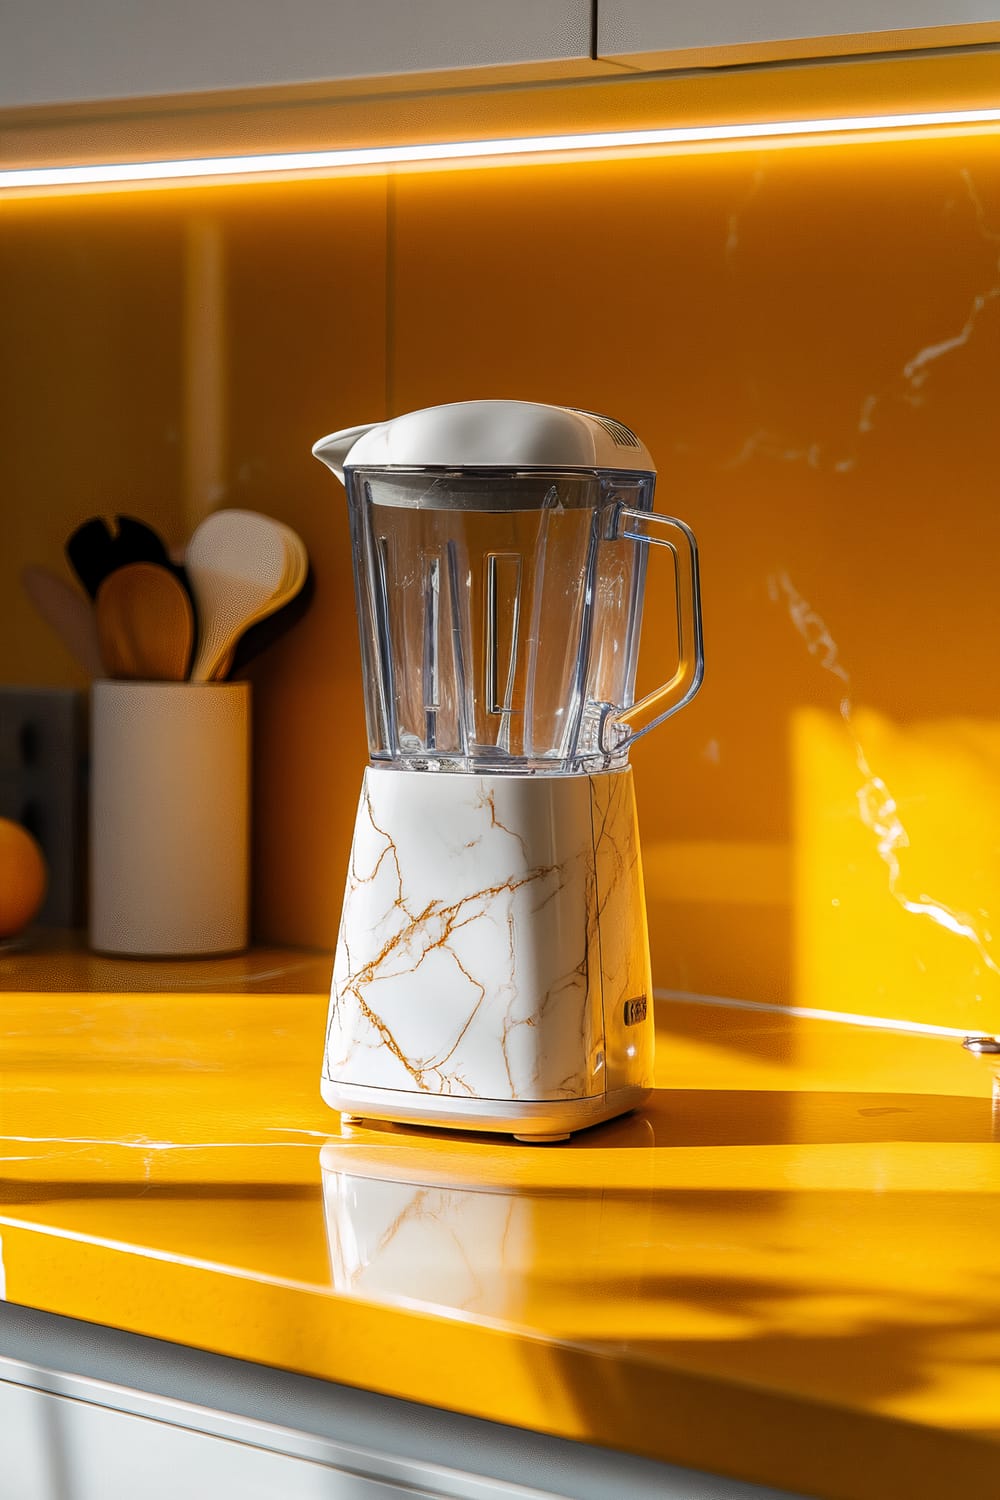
[[767, 441]]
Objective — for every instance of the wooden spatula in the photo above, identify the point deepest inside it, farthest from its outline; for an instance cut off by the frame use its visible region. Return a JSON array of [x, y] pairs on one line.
[[145, 624], [69, 614]]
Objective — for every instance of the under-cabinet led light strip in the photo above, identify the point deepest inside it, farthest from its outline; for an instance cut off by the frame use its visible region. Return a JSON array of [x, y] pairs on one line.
[[544, 145]]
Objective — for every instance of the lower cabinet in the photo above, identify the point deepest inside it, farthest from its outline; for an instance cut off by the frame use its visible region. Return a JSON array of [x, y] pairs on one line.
[[91, 1413], [62, 1448]]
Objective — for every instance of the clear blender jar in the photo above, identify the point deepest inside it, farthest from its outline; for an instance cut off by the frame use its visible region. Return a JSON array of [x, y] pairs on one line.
[[499, 608]]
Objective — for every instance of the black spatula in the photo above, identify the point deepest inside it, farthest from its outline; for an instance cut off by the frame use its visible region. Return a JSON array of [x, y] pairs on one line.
[[94, 550]]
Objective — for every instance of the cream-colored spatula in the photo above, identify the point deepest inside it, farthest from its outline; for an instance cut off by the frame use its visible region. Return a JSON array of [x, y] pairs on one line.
[[296, 572], [241, 568]]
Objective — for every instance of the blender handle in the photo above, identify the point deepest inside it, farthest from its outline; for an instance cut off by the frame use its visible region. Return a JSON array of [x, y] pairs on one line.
[[621, 727]]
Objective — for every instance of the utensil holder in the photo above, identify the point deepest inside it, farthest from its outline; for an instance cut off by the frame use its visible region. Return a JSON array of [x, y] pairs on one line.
[[169, 818]]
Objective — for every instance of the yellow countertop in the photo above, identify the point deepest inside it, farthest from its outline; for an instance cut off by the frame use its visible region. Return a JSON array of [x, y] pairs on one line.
[[783, 1269]]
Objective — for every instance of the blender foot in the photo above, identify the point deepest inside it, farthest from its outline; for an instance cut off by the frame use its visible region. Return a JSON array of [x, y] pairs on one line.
[[542, 1140]]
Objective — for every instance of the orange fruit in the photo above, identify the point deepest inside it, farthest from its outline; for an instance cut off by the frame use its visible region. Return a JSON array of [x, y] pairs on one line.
[[23, 878]]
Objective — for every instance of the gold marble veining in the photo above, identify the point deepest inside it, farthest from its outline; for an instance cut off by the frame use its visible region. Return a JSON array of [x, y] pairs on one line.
[[491, 953], [455, 971], [431, 929]]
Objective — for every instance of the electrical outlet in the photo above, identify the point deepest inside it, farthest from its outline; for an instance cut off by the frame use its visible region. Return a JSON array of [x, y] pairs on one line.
[[43, 772]]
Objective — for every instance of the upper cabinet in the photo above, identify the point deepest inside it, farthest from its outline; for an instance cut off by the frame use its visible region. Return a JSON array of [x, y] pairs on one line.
[[650, 34], [90, 53], [77, 51]]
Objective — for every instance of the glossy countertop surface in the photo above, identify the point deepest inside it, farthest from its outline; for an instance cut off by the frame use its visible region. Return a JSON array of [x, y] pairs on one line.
[[783, 1269]]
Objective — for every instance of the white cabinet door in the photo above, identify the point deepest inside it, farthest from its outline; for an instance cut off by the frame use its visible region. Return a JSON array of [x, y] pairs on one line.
[[65, 51], [659, 32], [197, 1426], [58, 1449]]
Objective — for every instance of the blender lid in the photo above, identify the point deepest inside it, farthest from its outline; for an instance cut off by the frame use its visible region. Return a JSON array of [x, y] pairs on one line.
[[490, 435]]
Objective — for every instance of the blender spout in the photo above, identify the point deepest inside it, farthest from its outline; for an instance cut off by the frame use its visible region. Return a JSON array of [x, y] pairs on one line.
[[333, 450]]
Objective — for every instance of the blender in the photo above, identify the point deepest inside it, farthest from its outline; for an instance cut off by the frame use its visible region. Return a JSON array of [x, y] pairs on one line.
[[492, 964]]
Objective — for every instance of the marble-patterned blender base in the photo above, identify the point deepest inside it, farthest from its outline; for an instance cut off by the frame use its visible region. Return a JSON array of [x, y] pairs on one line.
[[492, 967]]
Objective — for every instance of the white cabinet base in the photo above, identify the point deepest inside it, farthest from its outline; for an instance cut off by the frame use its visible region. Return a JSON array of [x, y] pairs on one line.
[[90, 1413]]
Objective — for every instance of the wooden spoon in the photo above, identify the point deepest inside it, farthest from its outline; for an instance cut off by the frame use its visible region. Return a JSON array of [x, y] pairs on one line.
[[241, 568], [145, 624]]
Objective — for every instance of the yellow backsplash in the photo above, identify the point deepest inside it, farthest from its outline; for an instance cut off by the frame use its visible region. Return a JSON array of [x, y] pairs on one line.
[[807, 338]]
